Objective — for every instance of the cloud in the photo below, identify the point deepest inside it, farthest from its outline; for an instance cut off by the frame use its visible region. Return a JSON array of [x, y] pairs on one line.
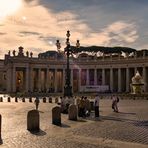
[[42, 27]]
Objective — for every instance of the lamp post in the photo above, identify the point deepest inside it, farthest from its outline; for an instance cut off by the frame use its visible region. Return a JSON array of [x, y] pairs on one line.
[[68, 51]]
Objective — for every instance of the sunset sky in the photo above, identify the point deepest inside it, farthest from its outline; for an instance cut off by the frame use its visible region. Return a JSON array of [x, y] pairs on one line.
[[37, 24]]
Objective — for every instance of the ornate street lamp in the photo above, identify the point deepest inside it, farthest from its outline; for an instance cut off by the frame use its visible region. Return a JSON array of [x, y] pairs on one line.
[[68, 51]]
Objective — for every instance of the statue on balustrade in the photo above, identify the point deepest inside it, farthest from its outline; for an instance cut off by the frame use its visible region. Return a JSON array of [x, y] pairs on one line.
[[137, 84]]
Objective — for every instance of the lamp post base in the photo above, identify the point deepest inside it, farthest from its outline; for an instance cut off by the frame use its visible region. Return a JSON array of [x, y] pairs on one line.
[[68, 91]]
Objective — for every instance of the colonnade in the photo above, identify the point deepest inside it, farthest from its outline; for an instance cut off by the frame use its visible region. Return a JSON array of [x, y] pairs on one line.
[[118, 79]]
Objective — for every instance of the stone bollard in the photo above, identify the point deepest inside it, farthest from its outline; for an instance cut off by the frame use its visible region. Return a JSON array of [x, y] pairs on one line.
[[1, 99], [0, 126], [92, 105], [56, 115], [72, 112], [56, 100], [16, 99], [50, 100], [30, 99], [44, 100], [9, 100], [33, 121], [23, 99]]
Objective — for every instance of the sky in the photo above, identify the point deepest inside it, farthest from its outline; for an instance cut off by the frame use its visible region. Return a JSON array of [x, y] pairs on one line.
[[37, 24]]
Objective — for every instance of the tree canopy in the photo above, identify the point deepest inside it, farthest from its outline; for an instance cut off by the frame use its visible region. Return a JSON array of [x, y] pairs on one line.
[[102, 49]]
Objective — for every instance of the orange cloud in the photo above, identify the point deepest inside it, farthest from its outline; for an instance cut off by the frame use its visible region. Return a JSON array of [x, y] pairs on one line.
[[37, 28]]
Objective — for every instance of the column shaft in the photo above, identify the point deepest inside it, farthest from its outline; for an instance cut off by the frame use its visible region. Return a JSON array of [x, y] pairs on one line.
[[95, 76], [14, 79], [87, 76], [127, 79], [119, 80], [103, 76], [39, 80], [47, 80], [111, 79], [27, 79], [55, 81], [9, 79], [79, 80]]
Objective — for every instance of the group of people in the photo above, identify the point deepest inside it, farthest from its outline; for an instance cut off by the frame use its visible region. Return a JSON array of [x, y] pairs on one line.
[[84, 107]]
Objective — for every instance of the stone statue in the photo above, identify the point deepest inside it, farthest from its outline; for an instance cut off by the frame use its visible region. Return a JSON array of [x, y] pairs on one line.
[[20, 51], [137, 84], [31, 54], [27, 53], [13, 52]]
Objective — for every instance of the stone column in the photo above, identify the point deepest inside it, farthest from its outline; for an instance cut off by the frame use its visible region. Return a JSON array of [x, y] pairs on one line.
[[127, 79], [144, 78], [103, 76], [14, 79], [31, 79], [95, 76], [87, 76], [55, 80], [119, 79], [27, 79], [63, 78], [39, 80], [79, 79], [111, 79], [9, 79], [47, 80]]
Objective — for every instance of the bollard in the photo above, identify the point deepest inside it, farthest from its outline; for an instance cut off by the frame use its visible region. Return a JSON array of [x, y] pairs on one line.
[[33, 121], [23, 99], [16, 99], [9, 100], [44, 100], [30, 99], [1, 99], [50, 100]]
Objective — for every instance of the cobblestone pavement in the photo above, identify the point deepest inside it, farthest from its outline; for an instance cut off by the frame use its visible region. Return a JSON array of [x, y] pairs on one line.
[[128, 128]]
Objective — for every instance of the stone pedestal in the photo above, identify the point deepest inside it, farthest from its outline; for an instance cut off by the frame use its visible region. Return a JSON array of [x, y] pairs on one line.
[[56, 115], [72, 112], [33, 121]]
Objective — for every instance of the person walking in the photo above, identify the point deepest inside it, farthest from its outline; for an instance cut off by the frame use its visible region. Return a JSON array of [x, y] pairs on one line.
[[37, 101], [115, 101], [96, 104]]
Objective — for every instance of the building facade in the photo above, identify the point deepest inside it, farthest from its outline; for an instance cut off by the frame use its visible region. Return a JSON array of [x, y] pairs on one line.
[[46, 73]]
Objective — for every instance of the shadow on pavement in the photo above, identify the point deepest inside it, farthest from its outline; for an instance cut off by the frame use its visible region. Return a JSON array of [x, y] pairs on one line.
[[127, 113], [65, 125], [143, 124], [38, 133]]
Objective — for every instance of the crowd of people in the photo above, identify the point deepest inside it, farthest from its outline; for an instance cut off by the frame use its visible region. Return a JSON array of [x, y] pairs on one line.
[[84, 105]]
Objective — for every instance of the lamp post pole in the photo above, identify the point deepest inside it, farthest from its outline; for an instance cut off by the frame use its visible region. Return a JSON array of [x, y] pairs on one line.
[[68, 51]]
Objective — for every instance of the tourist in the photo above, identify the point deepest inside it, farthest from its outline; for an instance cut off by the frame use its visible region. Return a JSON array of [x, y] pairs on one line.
[[96, 104], [37, 101], [115, 101], [87, 106], [82, 107], [78, 104]]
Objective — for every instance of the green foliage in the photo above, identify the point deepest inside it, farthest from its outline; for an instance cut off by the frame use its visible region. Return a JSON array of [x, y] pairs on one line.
[[105, 50]]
